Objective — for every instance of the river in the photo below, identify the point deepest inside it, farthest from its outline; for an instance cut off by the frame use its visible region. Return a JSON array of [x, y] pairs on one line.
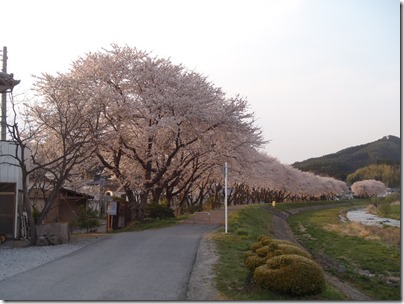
[[360, 215]]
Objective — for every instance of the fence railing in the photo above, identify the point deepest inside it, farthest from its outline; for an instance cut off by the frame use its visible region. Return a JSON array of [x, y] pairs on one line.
[[202, 212]]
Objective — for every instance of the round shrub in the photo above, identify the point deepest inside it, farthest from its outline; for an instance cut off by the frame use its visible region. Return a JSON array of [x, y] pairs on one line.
[[155, 210], [253, 261], [263, 251], [257, 245], [290, 274], [249, 253], [265, 240], [278, 242], [288, 249]]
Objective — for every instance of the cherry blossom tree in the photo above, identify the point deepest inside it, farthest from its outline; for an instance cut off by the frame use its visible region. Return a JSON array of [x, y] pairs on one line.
[[162, 130], [161, 122], [266, 179], [367, 188]]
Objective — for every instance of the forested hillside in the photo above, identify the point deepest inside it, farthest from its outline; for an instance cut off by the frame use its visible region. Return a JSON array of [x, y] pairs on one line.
[[386, 150], [388, 174]]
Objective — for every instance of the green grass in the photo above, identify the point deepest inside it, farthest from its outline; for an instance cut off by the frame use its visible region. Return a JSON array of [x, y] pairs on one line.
[[354, 253], [232, 277], [395, 212], [389, 211], [385, 207], [288, 206]]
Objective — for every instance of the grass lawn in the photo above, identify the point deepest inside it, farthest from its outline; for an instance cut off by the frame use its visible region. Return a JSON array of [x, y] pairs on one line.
[[232, 277], [288, 206], [366, 257], [395, 212]]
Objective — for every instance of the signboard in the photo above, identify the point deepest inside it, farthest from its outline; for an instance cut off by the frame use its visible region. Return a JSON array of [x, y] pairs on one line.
[[112, 208]]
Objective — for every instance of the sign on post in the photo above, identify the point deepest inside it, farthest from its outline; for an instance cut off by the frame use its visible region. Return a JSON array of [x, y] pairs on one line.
[[112, 208]]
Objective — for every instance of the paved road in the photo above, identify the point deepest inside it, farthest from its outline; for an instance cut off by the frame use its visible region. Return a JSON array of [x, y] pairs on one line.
[[146, 265]]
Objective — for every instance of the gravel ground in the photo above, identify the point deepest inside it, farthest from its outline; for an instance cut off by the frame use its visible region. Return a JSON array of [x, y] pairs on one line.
[[202, 282], [17, 256]]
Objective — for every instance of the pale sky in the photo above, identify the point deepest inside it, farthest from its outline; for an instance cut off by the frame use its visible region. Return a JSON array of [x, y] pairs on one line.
[[320, 75]]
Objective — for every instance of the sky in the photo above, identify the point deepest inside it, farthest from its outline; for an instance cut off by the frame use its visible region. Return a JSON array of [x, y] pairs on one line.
[[320, 75]]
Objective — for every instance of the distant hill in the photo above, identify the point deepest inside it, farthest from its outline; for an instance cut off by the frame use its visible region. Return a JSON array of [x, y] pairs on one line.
[[383, 151]]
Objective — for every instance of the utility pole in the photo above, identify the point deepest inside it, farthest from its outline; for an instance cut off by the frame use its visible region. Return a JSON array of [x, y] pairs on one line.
[[4, 99]]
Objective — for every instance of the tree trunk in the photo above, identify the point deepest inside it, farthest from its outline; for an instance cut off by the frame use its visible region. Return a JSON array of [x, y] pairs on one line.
[[156, 194], [133, 203], [25, 201], [27, 207], [143, 204], [48, 204]]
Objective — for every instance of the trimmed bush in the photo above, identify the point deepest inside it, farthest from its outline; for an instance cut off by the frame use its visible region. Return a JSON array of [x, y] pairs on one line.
[[265, 240], [283, 267], [157, 211], [253, 261], [266, 248], [257, 245], [284, 242], [288, 249], [290, 274]]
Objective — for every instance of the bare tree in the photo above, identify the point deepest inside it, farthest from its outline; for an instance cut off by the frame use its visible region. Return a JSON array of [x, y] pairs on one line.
[[63, 144], [22, 136], [53, 142]]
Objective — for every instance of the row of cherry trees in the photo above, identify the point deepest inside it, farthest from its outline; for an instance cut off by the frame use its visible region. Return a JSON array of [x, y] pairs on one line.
[[161, 130]]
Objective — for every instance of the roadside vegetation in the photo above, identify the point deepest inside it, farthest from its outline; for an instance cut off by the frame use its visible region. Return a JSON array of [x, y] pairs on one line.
[[288, 206], [234, 280], [366, 257], [157, 216], [148, 224], [388, 206]]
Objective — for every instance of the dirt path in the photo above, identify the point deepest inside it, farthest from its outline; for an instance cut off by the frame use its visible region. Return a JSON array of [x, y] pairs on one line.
[[215, 216]]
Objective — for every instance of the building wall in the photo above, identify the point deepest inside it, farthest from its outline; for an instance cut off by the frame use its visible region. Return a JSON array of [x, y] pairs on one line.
[[10, 172]]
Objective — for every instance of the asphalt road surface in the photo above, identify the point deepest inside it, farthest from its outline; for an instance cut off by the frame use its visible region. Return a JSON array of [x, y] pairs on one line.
[[145, 265]]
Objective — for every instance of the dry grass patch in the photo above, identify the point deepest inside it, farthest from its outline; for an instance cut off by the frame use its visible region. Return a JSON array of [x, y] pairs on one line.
[[372, 209], [389, 235]]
